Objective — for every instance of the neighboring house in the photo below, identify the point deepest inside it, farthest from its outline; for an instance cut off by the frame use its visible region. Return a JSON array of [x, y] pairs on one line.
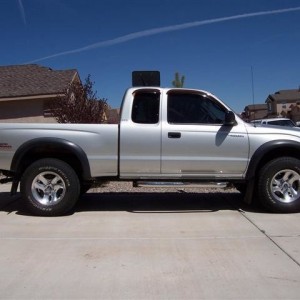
[[25, 91], [284, 103], [294, 112], [255, 111]]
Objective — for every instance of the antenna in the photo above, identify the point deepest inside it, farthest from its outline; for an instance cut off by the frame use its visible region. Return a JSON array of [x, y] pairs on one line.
[[252, 80], [253, 96]]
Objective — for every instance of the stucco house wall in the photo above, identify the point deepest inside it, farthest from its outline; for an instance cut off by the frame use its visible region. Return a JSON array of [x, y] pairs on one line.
[[24, 111]]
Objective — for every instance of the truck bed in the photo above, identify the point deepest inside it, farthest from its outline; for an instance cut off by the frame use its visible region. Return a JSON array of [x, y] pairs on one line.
[[98, 141]]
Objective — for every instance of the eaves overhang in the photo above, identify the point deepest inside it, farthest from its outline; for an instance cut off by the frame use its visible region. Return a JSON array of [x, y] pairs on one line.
[[33, 97]]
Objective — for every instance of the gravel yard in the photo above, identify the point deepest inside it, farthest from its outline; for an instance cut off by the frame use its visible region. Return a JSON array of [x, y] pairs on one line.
[[126, 187]]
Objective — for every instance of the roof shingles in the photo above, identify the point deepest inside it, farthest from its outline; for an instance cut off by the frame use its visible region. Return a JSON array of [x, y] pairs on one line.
[[33, 80]]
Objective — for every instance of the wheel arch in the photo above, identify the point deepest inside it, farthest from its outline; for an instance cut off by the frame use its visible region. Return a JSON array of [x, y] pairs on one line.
[[62, 149], [270, 151]]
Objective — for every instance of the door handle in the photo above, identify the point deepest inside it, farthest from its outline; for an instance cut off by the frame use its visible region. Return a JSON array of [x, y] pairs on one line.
[[174, 135]]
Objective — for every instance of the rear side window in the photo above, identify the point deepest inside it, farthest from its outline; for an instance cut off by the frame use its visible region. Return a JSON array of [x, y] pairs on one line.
[[145, 109]]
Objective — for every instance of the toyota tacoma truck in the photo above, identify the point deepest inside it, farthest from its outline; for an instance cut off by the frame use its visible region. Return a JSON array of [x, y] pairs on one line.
[[165, 137]]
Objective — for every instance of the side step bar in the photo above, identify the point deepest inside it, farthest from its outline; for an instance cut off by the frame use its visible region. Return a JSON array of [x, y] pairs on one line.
[[177, 184]]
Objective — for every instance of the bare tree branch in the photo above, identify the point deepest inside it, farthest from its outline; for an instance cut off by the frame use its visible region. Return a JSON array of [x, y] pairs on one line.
[[80, 105]]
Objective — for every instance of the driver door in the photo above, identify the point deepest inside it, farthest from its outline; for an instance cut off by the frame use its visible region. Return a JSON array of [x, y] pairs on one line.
[[197, 143]]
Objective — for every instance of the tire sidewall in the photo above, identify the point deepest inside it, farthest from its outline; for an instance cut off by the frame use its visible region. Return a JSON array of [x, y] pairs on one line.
[[71, 187]]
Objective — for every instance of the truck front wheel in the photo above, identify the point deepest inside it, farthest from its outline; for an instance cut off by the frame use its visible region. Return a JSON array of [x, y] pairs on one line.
[[279, 185], [49, 187]]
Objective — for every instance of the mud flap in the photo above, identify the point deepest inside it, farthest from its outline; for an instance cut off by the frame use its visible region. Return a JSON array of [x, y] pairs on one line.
[[248, 197]]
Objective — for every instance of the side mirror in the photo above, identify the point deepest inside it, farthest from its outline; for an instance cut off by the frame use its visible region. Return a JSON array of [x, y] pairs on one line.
[[230, 119]]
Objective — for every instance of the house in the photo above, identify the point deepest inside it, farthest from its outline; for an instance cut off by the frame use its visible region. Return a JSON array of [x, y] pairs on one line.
[[25, 91], [255, 111], [284, 103]]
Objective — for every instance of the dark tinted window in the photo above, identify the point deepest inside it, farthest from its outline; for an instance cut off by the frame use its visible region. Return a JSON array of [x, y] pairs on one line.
[[145, 109], [288, 123], [194, 109]]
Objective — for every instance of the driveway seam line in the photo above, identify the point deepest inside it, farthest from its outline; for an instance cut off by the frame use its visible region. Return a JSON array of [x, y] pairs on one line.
[[269, 237]]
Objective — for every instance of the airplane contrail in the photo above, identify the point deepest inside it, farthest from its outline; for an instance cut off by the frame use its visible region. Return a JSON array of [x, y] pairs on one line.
[[22, 11], [159, 30]]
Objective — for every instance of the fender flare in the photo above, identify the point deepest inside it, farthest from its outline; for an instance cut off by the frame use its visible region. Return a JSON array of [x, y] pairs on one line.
[[52, 144], [266, 148]]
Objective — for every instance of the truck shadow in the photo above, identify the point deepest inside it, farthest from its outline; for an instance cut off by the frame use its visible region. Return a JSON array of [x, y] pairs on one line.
[[170, 202], [146, 202]]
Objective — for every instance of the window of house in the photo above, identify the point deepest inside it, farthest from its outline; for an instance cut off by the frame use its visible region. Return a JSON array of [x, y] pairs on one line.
[[194, 109], [47, 111], [283, 104], [269, 106], [145, 108]]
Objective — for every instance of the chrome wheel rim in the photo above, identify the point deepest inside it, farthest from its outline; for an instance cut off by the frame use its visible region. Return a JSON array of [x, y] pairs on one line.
[[285, 186], [48, 188]]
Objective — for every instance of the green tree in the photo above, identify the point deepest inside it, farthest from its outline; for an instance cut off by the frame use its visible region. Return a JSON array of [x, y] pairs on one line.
[[80, 105], [178, 82]]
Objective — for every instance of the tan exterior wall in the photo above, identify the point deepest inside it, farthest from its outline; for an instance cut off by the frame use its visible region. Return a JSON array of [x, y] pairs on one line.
[[24, 111]]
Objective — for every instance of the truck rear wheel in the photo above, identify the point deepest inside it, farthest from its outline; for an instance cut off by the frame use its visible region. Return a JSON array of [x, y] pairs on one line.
[[49, 187], [279, 185]]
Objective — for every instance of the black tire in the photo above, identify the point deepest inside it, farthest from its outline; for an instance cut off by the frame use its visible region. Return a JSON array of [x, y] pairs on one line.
[[49, 187], [279, 185]]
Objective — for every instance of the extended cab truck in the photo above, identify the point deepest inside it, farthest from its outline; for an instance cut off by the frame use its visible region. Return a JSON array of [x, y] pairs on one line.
[[165, 137]]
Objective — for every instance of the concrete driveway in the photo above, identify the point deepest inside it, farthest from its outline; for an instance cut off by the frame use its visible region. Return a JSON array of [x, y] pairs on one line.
[[147, 245]]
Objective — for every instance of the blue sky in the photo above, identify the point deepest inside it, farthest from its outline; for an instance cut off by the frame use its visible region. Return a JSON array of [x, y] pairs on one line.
[[111, 38]]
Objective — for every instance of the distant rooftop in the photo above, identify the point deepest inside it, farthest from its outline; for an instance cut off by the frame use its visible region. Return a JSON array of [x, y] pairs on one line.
[[256, 107], [33, 80], [285, 95]]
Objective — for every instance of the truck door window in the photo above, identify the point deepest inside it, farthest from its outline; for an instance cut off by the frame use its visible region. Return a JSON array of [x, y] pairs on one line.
[[194, 109], [145, 108]]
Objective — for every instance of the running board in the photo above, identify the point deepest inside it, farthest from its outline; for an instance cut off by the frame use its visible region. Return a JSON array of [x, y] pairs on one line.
[[176, 184]]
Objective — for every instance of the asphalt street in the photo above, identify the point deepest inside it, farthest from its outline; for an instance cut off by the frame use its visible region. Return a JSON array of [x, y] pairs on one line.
[[149, 245]]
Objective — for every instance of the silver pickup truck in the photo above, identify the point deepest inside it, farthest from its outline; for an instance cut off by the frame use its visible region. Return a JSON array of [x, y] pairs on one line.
[[165, 137]]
